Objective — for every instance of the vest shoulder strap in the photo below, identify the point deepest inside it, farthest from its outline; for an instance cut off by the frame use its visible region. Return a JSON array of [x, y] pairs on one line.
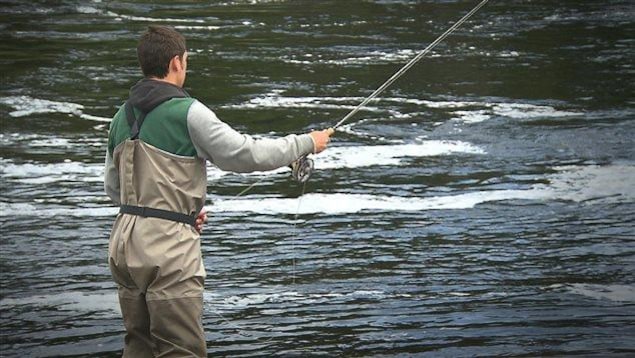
[[134, 122]]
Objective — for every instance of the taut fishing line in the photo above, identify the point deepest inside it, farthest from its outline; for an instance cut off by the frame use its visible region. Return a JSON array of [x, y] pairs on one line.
[[302, 168]]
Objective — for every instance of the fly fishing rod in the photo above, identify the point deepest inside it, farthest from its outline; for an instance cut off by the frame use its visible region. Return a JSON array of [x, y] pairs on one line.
[[303, 167]]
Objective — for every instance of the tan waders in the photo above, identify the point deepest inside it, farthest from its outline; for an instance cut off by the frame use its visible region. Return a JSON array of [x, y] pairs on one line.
[[156, 173], [155, 261]]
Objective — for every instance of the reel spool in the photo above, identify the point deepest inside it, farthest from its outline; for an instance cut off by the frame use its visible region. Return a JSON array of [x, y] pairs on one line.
[[302, 169]]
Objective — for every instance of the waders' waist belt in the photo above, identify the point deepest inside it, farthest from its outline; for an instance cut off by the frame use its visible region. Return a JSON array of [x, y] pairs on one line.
[[157, 213]]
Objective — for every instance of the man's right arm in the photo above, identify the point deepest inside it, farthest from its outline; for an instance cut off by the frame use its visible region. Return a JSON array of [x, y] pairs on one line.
[[111, 179], [230, 150]]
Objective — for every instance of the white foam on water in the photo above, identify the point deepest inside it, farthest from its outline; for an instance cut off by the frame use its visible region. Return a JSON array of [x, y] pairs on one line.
[[47, 210], [333, 204], [529, 111], [617, 293], [38, 173], [251, 299], [369, 57], [106, 302], [576, 183], [348, 128], [200, 27], [466, 111], [511, 110], [508, 109], [509, 54], [85, 9], [394, 154], [25, 106], [274, 99], [583, 183], [150, 19], [459, 294], [247, 2], [472, 116], [11, 138], [88, 10], [43, 141], [51, 142], [260, 298], [95, 118]]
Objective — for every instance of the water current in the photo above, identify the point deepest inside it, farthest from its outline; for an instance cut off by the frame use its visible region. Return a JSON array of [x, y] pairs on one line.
[[483, 206]]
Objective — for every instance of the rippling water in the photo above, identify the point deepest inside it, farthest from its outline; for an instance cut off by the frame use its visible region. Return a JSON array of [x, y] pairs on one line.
[[483, 206]]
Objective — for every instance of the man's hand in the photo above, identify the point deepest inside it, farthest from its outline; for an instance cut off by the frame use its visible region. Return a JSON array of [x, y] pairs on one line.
[[321, 139], [200, 220]]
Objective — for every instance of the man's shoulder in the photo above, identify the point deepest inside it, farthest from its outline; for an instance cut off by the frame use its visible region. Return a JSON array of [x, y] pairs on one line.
[[175, 105], [120, 111], [198, 111], [119, 129]]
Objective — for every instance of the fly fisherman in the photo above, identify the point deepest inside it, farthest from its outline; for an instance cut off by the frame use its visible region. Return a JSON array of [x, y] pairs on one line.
[[158, 144]]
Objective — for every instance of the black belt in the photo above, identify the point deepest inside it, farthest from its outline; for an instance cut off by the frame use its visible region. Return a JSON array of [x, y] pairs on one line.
[[158, 213]]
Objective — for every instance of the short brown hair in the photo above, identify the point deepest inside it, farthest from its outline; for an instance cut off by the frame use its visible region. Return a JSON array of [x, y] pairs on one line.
[[157, 47]]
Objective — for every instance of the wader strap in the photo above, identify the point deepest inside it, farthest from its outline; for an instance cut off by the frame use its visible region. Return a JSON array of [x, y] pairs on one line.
[[133, 122], [158, 213]]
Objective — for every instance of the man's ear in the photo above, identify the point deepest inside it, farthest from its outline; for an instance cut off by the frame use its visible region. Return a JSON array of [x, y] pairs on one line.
[[175, 64]]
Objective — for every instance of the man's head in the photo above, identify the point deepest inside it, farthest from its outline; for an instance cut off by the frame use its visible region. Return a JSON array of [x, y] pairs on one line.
[[162, 54]]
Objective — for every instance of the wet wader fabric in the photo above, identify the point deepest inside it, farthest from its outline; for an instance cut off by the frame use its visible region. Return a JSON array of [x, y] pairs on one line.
[[155, 261]]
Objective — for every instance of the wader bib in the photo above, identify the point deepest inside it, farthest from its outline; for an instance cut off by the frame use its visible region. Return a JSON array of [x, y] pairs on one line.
[[154, 251]]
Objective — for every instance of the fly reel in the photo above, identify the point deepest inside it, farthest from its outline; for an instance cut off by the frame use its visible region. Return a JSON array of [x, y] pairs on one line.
[[302, 169]]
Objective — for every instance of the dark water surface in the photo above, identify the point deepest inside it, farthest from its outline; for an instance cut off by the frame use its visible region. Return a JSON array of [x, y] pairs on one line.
[[483, 206]]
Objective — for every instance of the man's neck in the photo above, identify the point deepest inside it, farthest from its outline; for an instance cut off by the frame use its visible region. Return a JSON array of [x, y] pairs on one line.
[[168, 79]]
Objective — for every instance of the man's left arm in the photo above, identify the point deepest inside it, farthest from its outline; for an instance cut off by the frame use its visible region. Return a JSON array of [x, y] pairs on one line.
[[230, 150]]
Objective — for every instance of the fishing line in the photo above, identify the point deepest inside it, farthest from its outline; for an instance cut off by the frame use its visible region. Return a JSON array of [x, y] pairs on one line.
[[295, 227], [240, 330], [249, 187]]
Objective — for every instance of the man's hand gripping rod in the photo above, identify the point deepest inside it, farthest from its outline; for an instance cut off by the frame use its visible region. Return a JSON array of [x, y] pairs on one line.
[[302, 168]]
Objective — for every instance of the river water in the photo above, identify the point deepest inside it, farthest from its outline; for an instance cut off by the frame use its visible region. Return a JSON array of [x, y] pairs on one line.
[[483, 206]]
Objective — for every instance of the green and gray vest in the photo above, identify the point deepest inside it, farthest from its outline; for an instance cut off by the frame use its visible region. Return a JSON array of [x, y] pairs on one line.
[[160, 174]]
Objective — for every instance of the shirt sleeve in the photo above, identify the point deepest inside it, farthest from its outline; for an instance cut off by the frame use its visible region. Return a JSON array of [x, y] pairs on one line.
[[111, 179], [230, 150]]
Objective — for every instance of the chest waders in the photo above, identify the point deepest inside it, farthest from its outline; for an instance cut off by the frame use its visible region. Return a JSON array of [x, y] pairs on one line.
[[154, 251], [135, 127]]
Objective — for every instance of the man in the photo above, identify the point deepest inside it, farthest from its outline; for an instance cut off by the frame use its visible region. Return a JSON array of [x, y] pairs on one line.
[[158, 143]]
